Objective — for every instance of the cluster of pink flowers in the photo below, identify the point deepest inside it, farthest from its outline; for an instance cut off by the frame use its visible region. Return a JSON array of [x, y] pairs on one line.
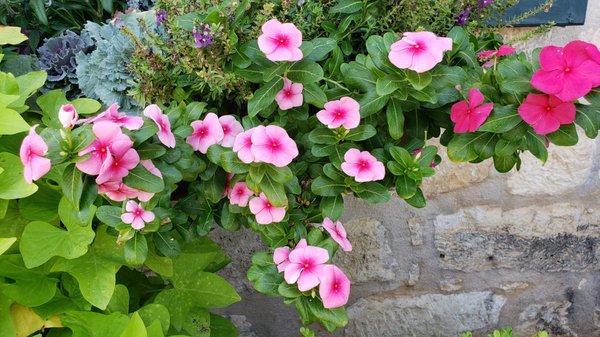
[[264, 211], [306, 266], [269, 144], [491, 56]]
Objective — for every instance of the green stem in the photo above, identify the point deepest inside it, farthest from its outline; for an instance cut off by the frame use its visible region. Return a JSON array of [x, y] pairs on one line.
[[336, 83]]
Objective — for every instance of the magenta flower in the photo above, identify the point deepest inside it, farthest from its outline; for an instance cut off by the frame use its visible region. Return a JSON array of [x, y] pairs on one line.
[[290, 96], [242, 145], [338, 233], [120, 160], [546, 113], [468, 115], [305, 265], [136, 215], [32, 152], [67, 115], [117, 190], [343, 112], [207, 132], [231, 128], [112, 114], [240, 194], [108, 134], [280, 41], [271, 144], [362, 166], [419, 51], [568, 73], [335, 287], [492, 55], [264, 211], [165, 135], [281, 255]]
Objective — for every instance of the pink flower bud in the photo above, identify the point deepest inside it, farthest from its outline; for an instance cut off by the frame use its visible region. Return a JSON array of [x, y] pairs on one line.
[[67, 115]]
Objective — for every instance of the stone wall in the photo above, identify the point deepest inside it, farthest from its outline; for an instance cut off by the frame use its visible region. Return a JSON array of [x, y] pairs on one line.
[[489, 250]]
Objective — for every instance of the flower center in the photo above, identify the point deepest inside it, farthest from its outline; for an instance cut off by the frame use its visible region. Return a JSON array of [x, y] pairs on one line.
[[287, 93], [336, 286], [102, 150], [274, 145], [268, 205], [202, 132], [363, 164], [548, 108], [306, 265], [225, 129], [282, 40], [469, 111], [29, 152], [137, 212], [339, 113], [567, 70]]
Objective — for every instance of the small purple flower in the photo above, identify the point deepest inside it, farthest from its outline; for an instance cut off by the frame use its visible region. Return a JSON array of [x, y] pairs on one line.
[[484, 3], [463, 17], [202, 37], [161, 16]]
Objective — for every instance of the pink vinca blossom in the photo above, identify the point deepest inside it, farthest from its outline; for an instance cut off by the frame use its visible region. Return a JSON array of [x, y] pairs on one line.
[[568, 73], [419, 51], [304, 266], [112, 114], [32, 152], [468, 115], [492, 55], [281, 255], [117, 190], [231, 128], [136, 215], [343, 112], [165, 135], [338, 233], [242, 145], [108, 135], [290, 96], [240, 194], [67, 115], [335, 287], [546, 113], [120, 160], [362, 166], [280, 41], [206, 132], [264, 211], [271, 144]]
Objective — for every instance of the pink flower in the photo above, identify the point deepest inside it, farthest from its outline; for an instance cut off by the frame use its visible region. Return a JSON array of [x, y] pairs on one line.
[[419, 51], [118, 163], [109, 138], [136, 215], [32, 152], [117, 191], [280, 41], [264, 211], [568, 73], [290, 96], [242, 145], [207, 132], [468, 115], [345, 111], [112, 114], [165, 135], [67, 115], [305, 264], [504, 50], [335, 287], [239, 194], [338, 233], [281, 255], [231, 128], [362, 166], [271, 144], [546, 113]]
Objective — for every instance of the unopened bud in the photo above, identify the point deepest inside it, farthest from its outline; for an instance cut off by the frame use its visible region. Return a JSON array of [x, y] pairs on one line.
[[67, 115]]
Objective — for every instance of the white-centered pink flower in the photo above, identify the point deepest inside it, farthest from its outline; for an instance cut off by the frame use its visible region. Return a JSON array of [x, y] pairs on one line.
[[304, 266], [280, 41], [165, 135], [290, 96], [32, 152], [338, 233], [242, 145], [136, 215], [271, 144], [112, 114], [240, 194], [281, 255], [264, 211], [108, 136], [343, 112], [120, 160], [419, 51], [67, 115], [206, 132], [334, 288], [231, 128], [363, 166]]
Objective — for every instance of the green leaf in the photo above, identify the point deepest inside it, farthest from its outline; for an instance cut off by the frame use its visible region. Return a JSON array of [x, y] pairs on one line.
[[151, 151], [347, 6], [372, 103], [313, 94], [378, 51], [588, 117], [305, 72], [43, 205], [405, 187], [417, 200], [332, 207], [505, 148], [265, 279], [50, 103], [109, 215], [135, 327], [386, 85], [537, 145], [321, 47], [395, 118], [86, 106], [136, 250], [461, 146], [418, 80], [323, 135], [402, 156], [155, 312], [107, 5], [11, 35], [504, 164], [39, 10], [29, 287], [513, 76], [357, 76], [502, 119], [373, 192], [566, 135], [119, 302], [264, 96], [11, 122], [29, 83], [222, 327], [326, 187], [361, 132], [140, 178], [72, 184], [94, 324], [274, 191], [5, 244]]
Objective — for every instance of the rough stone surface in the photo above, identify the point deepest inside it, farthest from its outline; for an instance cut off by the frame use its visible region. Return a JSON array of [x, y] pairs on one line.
[[427, 315], [550, 316], [450, 284]]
